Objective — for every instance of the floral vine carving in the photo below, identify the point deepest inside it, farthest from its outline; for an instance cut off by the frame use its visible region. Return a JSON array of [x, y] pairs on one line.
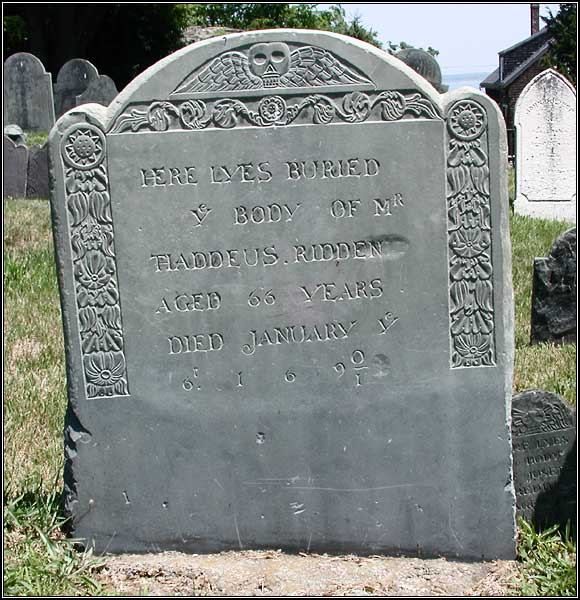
[[469, 236], [356, 107], [94, 267]]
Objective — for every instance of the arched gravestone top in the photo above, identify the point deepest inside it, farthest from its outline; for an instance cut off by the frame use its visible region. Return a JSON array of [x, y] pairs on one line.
[[73, 78], [100, 90], [424, 64], [546, 162], [27, 95], [285, 275]]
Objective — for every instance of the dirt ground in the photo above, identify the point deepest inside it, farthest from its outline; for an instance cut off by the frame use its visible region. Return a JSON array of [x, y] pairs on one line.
[[273, 573]]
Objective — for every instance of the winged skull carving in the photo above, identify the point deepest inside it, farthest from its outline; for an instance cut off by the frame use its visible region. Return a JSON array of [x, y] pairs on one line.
[[271, 65]]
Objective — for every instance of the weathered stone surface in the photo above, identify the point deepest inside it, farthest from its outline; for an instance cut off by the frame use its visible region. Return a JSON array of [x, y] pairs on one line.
[[72, 80], [28, 98], [37, 177], [544, 448], [287, 305], [101, 90], [424, 64], [15, 133], [545, 121], [554, 293], [15, 161]]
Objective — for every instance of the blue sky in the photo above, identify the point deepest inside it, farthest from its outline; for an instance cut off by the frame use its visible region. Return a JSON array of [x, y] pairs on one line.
[[468, 36]]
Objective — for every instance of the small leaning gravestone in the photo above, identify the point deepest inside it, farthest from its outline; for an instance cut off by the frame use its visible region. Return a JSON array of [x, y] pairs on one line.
[[285, 277], [544, 443]]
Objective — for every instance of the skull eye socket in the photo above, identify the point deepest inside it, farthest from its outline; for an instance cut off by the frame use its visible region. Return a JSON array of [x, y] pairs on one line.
[[278, 56], [260, 59]]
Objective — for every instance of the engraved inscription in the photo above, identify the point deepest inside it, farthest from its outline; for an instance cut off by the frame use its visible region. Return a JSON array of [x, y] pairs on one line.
[[200, 342], [297, 334], [200, 214], [383, 207], [190, 301], [331, 292], [271, 213], [168, 176]]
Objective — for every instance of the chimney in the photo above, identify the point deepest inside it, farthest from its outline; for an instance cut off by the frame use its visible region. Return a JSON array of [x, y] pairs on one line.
[[535, 18]]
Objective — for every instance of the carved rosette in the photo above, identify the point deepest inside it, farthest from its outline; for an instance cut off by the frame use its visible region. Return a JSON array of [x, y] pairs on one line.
[[268, 111], [471, 310], [94, 266]]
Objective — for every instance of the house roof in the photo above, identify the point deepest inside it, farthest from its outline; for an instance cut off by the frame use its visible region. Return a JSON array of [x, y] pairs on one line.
[[526, 41], [499, 80]]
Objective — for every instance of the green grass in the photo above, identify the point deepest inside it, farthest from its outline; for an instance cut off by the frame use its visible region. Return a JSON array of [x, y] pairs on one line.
[[547, 366], [38, 559], [36, 138], [549, 562]]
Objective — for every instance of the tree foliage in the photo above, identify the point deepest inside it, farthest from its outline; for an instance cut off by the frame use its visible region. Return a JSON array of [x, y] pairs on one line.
[[121, 40], [562, 28], [249, 16]]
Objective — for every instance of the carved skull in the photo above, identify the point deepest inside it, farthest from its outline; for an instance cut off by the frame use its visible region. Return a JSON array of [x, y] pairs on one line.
[[269, 62]]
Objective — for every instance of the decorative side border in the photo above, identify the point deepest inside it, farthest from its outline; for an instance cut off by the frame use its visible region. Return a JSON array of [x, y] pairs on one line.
[[352, 107], [90, 224], [471, 310]]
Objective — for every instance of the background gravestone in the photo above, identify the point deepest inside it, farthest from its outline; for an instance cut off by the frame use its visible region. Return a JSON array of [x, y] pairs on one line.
[[545, 121], [27, 96], [554, 293], [37, 173], [72, 80], [15, 133], [424, 64], [100, 90], [544, 445], [15, 163], [286, 324]]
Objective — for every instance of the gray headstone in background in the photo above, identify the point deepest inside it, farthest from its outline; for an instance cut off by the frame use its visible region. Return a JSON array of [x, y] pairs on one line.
[[289, 318], [546, 161], [101, 90], [15, 133], [554, 293], [544, 447], [72, 80], [424, 64], [37, 178], [27, 96], [15, 163]]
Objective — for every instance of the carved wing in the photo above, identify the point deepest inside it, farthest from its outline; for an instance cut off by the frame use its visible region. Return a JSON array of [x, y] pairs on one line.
[[228, 72], [310, 67]]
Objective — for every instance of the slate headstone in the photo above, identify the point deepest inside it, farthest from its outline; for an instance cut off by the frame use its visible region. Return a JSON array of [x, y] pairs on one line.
[[73, 78], [15, 164], [15, 133], [544, 449], [554, 293], [37, 177], [546, 161], [28, 100], [286, 288], [101, 90]]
